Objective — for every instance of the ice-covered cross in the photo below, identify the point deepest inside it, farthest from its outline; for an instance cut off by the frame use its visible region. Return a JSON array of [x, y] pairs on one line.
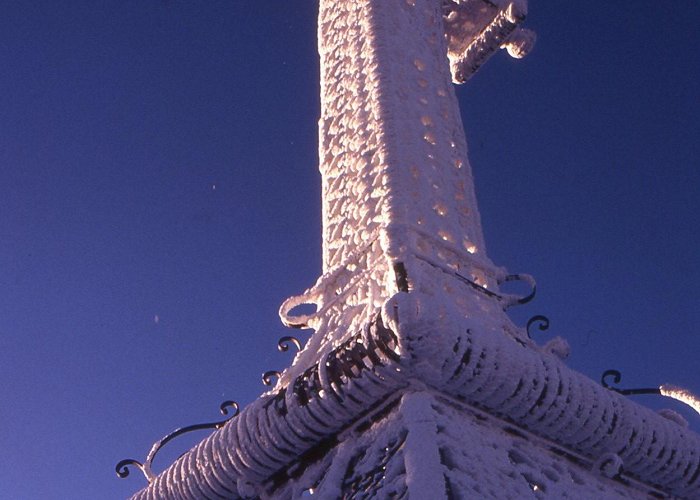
[[399, 210]]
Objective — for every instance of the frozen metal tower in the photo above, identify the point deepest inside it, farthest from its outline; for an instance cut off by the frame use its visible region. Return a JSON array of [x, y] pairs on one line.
[[399, 211], [415, 383]]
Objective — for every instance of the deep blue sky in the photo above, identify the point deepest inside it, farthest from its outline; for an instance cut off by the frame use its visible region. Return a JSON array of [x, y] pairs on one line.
[[159, 158]]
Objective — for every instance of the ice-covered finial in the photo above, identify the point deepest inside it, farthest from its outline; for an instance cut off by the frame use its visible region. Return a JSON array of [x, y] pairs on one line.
[[520, 43]]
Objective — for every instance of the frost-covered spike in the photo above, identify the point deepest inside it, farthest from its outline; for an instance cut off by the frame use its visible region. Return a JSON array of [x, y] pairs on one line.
[[516, 11], [682, 395]]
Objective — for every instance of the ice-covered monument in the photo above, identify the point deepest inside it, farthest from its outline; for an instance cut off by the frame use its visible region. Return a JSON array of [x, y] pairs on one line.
[[415, 383]]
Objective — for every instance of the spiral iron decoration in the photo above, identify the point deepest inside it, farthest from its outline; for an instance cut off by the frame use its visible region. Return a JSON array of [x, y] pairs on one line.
[[617, 377], [284, 342], [542, 323], [122, 468]]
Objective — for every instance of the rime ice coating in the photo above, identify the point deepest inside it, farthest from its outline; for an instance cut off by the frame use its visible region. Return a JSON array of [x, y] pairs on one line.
[[397, 186]]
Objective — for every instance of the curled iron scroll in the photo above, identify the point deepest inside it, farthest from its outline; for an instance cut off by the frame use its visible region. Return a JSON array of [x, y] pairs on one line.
[[122, 468], [617, 377], [542, 323], [284, 342]]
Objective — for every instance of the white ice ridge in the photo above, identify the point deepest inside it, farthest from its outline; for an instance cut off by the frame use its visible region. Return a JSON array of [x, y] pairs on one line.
[[682, 395]]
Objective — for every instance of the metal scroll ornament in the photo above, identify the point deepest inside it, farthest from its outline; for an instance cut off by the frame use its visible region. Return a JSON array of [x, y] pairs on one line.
[[617, 377], [284, 343], [122, 468], [542, 323]]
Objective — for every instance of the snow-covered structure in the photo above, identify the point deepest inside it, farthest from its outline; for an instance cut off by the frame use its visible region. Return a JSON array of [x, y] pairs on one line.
[[415, 383]]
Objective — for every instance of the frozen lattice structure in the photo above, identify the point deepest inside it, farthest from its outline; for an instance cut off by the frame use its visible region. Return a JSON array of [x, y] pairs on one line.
[[415, 383]]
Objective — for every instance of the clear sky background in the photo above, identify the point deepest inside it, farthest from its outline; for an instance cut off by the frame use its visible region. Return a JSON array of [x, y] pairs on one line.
[[159, 199]]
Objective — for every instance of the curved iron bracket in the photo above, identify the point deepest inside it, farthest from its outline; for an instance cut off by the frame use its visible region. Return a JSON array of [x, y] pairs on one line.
[[617, 377], [507, 299], [122, 468], [527, 279]]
